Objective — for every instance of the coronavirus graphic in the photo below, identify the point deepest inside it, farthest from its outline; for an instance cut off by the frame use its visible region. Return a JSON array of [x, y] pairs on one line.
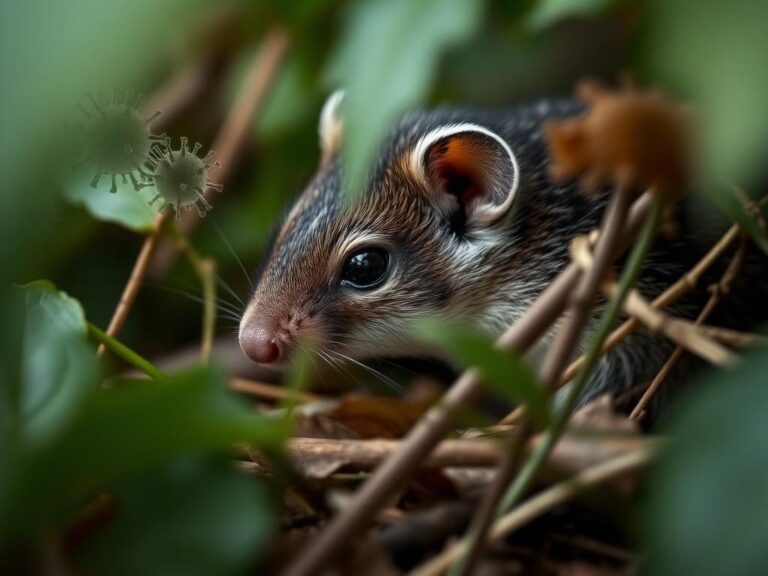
[[181, 177], [116, 139]]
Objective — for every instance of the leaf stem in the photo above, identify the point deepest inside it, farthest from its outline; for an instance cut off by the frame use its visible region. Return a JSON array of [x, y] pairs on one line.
[[121, 350]]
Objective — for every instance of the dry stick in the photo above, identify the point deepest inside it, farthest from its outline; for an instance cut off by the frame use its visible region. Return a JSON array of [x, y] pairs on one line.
[[173, 98], [681, 287], [546, 500], [732, 337], [683, 332], [435, 424], [608, 317], [685, 284], [561, 350], [573, 453], [718, 290], [628, 278], [269, 392], [229, 140], [134, 281]]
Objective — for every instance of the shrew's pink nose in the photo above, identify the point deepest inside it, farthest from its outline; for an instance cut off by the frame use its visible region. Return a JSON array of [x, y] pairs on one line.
[[258, 343]]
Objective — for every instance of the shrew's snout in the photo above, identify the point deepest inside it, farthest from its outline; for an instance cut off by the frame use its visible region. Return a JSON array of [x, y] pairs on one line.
[[270, 336], [259, 341]]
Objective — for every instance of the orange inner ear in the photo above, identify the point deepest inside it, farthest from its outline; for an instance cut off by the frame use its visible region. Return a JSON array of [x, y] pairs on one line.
[[457, 166]]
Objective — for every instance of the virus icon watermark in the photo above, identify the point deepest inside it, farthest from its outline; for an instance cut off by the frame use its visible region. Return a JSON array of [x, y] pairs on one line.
[[116, 139], [181, 177]]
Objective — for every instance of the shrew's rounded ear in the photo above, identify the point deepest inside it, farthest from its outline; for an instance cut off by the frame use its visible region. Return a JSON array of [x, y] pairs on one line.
[[469, 166], [330, 125]]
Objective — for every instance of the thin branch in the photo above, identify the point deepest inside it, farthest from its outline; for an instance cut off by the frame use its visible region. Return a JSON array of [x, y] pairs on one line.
[[579, 309], [435, 424], [205, 268], [732, 337], [207, 274], [544, 501], [573, 453], [718, 290], [230, 139], [681, 287], [628, 279], [685, 333], [134, 281], [269, 392]]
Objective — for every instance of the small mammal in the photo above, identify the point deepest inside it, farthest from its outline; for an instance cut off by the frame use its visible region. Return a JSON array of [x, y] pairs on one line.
[[460, 220]]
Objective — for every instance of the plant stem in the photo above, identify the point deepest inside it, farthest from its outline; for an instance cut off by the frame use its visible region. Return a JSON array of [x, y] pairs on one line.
[[205, 268], [121, 350], [615, 467], [627, 281]]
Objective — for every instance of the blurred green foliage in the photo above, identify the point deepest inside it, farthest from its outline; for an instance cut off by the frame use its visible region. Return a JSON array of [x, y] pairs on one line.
[[386, 62], [707, 511], [158, 447], [508, 376]]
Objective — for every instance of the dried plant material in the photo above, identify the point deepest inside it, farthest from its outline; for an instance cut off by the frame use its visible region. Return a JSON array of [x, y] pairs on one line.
[[600, 414], [683, 332], [609, 435], [628, 464], [364, 556], [380, 416], [318, 458], [314, 425], [625, 131]]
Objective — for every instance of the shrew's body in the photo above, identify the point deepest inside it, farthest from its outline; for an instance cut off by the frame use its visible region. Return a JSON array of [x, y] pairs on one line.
[[459, 219]]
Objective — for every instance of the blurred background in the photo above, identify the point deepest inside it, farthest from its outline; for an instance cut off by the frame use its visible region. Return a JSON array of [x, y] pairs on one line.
[[207, 49], [196, 60]]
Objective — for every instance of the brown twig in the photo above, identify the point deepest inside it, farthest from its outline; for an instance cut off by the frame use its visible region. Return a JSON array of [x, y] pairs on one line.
[[685, 333], [229, 140], [573, 453], [579, 307], [546, 500], [269, 392], [681, 287], [134, 281], [681, 331], [732, 337], [398, 469], [717, 291]]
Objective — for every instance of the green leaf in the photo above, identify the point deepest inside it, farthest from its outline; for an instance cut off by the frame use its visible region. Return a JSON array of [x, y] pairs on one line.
[[122, 431], [133, 427], [58, 366], [707, 509], [386, 62], [290, 101], [191, 518], [725, 79], [505, 373], [126, 207], [548, 12]]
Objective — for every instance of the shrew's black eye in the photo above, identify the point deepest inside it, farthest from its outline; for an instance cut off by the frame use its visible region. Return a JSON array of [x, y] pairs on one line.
[[366, 268]]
